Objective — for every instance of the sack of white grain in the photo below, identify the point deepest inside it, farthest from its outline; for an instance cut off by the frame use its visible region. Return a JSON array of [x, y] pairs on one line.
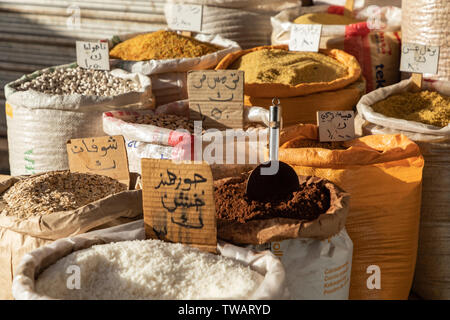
[[432, 275], [168, 74], [154, 134], [247, 22], [71, 204], [427, 22], [48, 107], [372, 36], [165, 270]]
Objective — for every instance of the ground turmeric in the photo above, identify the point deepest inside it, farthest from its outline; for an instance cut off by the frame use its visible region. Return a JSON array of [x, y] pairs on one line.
[[161, 45], [325, 18], [301, 142], [287, 67], [428, 107]]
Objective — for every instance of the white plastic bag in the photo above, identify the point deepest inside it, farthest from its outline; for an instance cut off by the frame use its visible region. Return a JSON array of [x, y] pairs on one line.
[[39, 124], [432, 275], [316, 269], [272, 287]]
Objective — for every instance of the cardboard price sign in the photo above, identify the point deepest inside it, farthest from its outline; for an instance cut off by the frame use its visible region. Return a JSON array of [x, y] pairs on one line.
[[419, 58], [336, 125], [179, 203], [100, 155], [187, 17], [93, 54], [216, 97], [305, 37]]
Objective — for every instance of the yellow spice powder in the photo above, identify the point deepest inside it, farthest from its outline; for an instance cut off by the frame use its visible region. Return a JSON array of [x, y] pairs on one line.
[[325, 18], [161, 45], [428, 107], [286, 67]]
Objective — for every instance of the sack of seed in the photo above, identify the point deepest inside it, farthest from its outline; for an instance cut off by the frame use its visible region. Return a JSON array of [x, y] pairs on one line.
[[48, 107], [80, 268], [39, 209], [166, 133], [305, 229]]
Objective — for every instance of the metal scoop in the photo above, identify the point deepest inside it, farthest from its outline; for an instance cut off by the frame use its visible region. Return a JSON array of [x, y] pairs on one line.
[[273, 177]]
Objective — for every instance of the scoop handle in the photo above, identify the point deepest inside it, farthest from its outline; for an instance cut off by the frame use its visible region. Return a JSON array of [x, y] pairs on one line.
[[274, 129]]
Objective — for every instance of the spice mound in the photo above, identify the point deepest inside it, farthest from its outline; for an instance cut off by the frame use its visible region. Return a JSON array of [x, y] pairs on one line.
[[161, 45], [87, 82], [307, 143], [289, 68], [57, 191], [168, 121], [325, 18], [426, 106], [149, 269], [232, 204]]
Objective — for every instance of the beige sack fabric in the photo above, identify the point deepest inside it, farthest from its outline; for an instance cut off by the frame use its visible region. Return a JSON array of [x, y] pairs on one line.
[[273, 285], [18, 237], [278, 229]]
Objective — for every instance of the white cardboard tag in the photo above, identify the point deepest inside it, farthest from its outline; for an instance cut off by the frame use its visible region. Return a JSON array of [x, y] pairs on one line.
[[187, 17], [93, 54], [305, 37], [419, 58]]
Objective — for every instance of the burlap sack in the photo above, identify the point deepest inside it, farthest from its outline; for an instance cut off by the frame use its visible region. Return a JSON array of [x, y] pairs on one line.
[[18, 237], [272, 287], [278, 229], [270, 90]]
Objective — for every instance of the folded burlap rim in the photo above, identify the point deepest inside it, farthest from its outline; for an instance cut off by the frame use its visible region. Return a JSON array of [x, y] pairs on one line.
[[278, 229]]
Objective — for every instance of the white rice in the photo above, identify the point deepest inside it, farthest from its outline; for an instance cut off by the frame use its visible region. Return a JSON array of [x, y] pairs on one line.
[[148, 269]]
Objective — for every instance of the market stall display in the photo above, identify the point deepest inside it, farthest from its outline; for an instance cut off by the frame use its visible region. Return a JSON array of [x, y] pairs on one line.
[[144, 267], [39, 209], [424, 118], [54, 103], [373, 38], [166, 56], [383, 175], [304, 91]]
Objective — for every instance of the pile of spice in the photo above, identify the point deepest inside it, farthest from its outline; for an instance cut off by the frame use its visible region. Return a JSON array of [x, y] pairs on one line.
[[167, 121], [57, 191], [325, 18], [161, 45], [87, 82], [232, 204], [287, 67], [301, 142], [428, 107], [149, 269]]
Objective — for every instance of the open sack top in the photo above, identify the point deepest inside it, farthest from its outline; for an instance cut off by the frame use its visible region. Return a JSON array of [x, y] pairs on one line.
[[273, 285], [270, 90], [149, 67], [56, 225], [366, 150], [278, 229]]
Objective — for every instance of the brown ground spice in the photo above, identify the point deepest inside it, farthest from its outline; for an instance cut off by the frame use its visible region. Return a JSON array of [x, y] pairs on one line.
[[232, 203], [306, 143]]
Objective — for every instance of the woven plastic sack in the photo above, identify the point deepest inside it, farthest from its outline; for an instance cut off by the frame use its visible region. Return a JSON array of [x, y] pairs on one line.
[[432, 278], [383, 174], [376, 43], [18, 237], [272, 287], [148, 141], [360, 4], [39, 124], [270, 90]]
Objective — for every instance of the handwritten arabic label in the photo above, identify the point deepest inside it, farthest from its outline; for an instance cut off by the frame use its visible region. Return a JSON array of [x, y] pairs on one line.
[[178, 202], [305, 37], [186, 17], [93, 54], [336, 125], [419, 58], [216, 97], [101, 155]]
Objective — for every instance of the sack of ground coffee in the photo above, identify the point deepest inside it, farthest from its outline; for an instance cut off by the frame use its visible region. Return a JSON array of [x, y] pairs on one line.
[[306, 231], [24, 228]]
